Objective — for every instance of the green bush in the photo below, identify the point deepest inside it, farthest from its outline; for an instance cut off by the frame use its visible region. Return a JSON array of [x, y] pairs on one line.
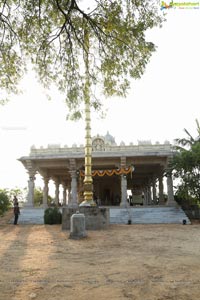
[[52, 215], [4, 202]]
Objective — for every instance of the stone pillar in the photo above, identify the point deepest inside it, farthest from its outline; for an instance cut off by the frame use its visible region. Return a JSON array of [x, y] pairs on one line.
[[170, 193], [31, 168], [64, 194], [132, 194], [74, 198], [45, 192], [145, 197], [30, 196], [161, 195], [80, 192], [154, 191], [124, 202], [69, 194], [149, 194], [57, 192]]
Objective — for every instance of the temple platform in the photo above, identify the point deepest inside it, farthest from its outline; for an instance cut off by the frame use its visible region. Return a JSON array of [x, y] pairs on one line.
[[133, 215]]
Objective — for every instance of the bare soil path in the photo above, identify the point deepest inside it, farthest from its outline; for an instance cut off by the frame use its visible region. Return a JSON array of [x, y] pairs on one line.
[[140, 262]]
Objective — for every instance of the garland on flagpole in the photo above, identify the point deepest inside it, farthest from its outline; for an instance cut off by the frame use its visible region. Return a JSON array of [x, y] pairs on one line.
[[111, 172]]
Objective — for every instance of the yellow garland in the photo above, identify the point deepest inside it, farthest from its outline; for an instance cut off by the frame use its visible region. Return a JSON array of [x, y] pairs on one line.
[[102, 173]]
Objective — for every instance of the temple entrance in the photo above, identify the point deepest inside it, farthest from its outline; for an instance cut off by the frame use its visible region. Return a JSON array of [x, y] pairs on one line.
[[107, 190]]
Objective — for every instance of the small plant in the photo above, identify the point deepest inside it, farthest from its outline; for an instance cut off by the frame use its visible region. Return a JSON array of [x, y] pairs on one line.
[[52, 215]]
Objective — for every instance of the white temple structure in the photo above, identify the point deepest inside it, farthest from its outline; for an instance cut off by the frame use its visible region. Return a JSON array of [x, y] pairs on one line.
[[139, 169]]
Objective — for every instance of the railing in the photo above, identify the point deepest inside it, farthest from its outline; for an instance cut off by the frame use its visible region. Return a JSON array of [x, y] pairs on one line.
[[143, 149]]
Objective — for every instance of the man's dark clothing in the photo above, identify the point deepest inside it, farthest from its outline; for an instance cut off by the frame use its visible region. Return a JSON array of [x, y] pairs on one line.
[[16, 214]]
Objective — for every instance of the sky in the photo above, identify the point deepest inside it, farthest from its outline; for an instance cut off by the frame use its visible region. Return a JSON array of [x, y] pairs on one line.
[[158, 106]]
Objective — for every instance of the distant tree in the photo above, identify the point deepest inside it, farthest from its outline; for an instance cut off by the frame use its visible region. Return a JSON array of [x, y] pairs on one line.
[[186, 166], [19, 193], [181, 143], [5, 203], [38, 197]]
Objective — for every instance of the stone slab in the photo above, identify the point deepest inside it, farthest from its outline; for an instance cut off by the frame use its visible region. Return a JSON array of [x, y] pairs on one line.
[[77, 227]]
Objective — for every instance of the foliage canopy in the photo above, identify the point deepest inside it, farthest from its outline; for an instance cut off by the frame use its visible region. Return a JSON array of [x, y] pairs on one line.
[[51, 33]]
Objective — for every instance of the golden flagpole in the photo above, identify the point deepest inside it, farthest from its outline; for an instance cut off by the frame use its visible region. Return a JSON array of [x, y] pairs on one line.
[[88, 181]]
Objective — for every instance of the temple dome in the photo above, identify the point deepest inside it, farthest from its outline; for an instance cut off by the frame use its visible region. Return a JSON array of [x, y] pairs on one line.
[[109, 139]]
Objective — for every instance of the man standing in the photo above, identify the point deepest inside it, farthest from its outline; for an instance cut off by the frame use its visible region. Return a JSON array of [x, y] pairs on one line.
[[16, 213]]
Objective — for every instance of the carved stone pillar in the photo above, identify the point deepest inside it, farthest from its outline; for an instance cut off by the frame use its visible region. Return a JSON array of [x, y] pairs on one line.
[[64, 194], [154, 191], [170, 193], [161, 195], [124, 202], [80, 192], [31, 168], [74, 198], [149, 198], [57, 184], [30, 195], [45, 192], [69, 194], [145, 197]]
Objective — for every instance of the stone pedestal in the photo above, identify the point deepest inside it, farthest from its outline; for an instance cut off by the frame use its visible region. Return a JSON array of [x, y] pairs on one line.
[[77, 226], [95, 217]]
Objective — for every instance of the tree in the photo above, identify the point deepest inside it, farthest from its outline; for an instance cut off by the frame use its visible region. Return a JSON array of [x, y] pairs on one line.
[[38, 197], [11, 58], [19, 193], [78, 47], [4, 201], [190, 140], [186, 166], [51, 33]]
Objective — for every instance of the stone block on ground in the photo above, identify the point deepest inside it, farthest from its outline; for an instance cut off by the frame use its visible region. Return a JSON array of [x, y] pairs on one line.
[[77, 226]]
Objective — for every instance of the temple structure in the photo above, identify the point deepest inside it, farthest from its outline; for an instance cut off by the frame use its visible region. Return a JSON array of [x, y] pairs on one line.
[[139, 169]]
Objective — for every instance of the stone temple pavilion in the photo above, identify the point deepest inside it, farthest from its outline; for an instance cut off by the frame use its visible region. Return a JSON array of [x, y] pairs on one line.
[[140, 170]]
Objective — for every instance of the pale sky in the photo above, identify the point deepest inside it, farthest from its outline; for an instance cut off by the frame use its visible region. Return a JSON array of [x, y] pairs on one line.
[[158, 107]]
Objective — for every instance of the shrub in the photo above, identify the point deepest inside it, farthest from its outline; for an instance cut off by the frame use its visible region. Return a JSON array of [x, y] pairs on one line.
[[4, 202], [52, 215]]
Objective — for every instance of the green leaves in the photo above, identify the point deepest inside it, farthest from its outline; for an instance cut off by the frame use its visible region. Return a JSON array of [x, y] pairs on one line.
[[186, 165], [51, 34]]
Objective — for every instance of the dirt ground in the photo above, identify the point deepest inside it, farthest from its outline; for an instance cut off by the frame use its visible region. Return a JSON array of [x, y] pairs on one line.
[[144, 262]]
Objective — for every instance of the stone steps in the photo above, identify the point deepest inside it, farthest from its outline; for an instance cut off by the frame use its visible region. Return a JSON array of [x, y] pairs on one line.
[[31, 216], [137, 215], [148, 215]]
